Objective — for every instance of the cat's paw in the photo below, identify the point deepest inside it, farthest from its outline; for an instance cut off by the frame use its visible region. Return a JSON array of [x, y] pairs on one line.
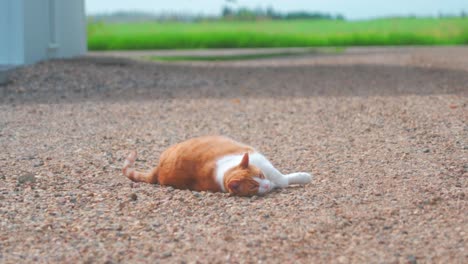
[[299, 178]]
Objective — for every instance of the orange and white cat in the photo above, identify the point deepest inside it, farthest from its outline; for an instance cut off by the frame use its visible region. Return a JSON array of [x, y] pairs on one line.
[[216, 164]]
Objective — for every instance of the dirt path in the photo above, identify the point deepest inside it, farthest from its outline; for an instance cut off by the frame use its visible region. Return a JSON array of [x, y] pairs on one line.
[[384, 131]]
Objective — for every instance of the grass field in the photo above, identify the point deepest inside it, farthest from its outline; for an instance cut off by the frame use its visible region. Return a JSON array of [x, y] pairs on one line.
[[297, 33]]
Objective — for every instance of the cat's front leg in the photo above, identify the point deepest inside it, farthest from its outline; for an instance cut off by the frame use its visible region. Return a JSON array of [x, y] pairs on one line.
[[298, 178], [278, 179], [284, 180]]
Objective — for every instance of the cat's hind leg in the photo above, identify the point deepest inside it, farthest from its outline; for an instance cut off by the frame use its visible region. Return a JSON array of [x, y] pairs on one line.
[[136, 176]]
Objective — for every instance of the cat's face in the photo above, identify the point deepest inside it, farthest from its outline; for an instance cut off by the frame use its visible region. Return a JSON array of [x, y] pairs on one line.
[[247, 180]]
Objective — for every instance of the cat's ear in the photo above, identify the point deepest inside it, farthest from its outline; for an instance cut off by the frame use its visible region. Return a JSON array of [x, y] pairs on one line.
[[245, 161], [234, 186]]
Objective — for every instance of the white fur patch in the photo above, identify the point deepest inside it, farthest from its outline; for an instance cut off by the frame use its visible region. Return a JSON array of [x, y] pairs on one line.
[[223, 165], [265, 185]]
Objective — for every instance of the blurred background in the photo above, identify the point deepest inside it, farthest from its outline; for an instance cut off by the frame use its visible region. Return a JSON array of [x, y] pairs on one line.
[[183, 24]]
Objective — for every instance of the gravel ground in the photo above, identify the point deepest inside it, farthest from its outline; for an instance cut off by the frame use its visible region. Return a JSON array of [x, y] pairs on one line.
[[384, 131]]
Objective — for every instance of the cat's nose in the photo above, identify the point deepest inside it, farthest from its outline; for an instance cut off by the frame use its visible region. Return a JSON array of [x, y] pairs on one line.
[[266, 185]]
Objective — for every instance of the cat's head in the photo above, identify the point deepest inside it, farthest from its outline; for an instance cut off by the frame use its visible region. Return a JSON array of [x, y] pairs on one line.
[[246, 179]]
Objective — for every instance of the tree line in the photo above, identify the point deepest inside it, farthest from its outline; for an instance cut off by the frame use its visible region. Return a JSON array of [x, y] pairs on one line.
[[244, 13], [229, 13]]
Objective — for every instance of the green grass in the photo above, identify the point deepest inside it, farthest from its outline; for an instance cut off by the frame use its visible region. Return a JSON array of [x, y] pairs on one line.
[[298, 33]]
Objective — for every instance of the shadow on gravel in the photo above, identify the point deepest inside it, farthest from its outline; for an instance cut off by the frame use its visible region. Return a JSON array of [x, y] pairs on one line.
[[115, 79]]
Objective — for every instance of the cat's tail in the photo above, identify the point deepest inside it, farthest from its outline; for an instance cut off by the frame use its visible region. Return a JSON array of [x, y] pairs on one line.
[[136, 176]]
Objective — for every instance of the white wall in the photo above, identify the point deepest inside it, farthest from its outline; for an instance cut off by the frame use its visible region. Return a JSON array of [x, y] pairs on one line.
[[71, 28], [11, 32], [34, 30]]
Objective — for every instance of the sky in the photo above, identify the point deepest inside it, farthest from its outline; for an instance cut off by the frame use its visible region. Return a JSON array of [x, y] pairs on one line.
[[351, 9]]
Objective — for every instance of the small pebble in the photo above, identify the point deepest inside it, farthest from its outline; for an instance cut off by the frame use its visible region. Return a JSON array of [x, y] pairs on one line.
[[228, 238], [26, 178], [342, 259], [282, 236], [38, 163], [411, 259], [166, 254], [133, 197]]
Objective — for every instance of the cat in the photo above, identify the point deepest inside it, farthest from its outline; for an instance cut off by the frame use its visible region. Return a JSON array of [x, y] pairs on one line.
[[215, 164]]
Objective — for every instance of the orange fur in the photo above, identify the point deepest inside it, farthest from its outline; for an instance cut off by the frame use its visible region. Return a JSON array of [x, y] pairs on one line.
[[239, 181], [191, 165]]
